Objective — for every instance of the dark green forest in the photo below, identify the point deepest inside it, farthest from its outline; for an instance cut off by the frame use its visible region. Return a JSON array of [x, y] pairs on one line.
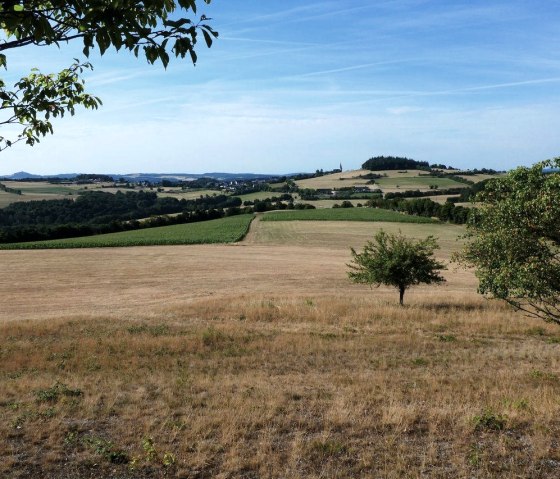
[[394, 163], [98, 212], [424, 207]]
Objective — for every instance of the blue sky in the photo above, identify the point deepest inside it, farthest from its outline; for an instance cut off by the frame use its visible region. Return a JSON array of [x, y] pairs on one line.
[[296, 86]]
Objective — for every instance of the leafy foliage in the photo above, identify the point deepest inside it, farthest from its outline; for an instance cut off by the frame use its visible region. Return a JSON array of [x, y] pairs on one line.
[[514, 240], [395, 260], [394, 163], [96, 212], [38, 97], [137, 26], [424, 207]]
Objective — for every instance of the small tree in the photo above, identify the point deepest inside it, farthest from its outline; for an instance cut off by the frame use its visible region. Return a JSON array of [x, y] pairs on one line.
[[395, 260], [514, 240]]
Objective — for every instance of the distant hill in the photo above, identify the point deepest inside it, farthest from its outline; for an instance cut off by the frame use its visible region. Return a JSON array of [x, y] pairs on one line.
[[23, 175], [149, 177], [20, 175], [394, 163]]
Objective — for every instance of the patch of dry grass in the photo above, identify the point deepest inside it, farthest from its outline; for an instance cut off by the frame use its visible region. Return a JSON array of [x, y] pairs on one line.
[[336, 180], [263, 360], [283, 386]]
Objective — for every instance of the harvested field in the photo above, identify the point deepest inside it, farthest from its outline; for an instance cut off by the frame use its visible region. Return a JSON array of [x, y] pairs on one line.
[[262, 360]]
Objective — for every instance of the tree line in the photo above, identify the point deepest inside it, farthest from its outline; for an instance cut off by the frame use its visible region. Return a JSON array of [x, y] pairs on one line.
[[394, 163], [424, 207], [97, 212]]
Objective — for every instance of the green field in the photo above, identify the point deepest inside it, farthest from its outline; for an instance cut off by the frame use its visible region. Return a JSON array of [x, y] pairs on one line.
[[259, 195], [190, 194], [345, 214], [226, 230]]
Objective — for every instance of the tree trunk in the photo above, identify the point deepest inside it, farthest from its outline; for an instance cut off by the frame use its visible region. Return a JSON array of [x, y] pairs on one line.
[[401, 295]]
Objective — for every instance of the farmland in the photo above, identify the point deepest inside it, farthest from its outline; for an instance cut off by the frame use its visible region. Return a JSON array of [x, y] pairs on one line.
[[344, 214], [161, 361], [335, 180], [421, 183], [226, 230], [261, 359]]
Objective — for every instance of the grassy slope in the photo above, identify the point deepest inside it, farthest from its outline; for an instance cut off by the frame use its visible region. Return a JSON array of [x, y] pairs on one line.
[[310, 387], [344, 214], [226, 230], [197, 350], [341, 235], [417, 182], [189, 195], [259, 195], [335, 180]]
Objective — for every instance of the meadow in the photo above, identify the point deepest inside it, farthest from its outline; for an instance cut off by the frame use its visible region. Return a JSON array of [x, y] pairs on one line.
[[261, 359], [421, 183], [345, 214], [335, 180], [225, 230], [189, 194]]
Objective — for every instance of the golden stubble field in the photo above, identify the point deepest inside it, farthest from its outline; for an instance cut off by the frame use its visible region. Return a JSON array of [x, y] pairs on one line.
[[262, 360]]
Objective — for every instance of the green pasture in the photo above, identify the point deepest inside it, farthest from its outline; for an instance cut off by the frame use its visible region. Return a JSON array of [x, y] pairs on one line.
[[259, 195], [225, 230], [345, 214]]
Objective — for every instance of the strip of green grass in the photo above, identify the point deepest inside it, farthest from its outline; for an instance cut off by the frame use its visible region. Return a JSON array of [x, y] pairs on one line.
[[225, 230], [345, 214]]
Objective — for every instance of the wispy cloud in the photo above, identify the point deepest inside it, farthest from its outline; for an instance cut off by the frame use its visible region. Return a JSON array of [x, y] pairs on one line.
[[348, 68], [295, 86]]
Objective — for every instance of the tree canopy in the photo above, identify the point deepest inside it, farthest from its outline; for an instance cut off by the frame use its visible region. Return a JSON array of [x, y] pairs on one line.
[[394, 163], [150, 28], [395, 260], [514, 240]]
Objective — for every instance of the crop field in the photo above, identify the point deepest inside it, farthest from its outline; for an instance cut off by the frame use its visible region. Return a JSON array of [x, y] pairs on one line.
[[335, 180], [393, 180], [344, 214], [416, 183], [43, 188], [8, 198], [478, 178], [339, 236], [37, 191], [259, 195], [261, 359], [226, 230], [189, 195], [442, 199]]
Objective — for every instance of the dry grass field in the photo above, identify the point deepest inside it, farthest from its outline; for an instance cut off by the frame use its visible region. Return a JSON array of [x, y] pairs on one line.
[[336, 180], [261, 360], [394, 181]]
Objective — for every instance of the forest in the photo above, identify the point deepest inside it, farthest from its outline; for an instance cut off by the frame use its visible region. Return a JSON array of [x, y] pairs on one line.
[[98, 212], [378, 163]]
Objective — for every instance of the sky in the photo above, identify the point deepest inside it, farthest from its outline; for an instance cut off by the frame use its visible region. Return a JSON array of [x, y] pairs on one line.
[[295, 86]]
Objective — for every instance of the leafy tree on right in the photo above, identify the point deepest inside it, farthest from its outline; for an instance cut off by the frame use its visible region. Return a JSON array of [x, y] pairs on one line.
[[514, 240]]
